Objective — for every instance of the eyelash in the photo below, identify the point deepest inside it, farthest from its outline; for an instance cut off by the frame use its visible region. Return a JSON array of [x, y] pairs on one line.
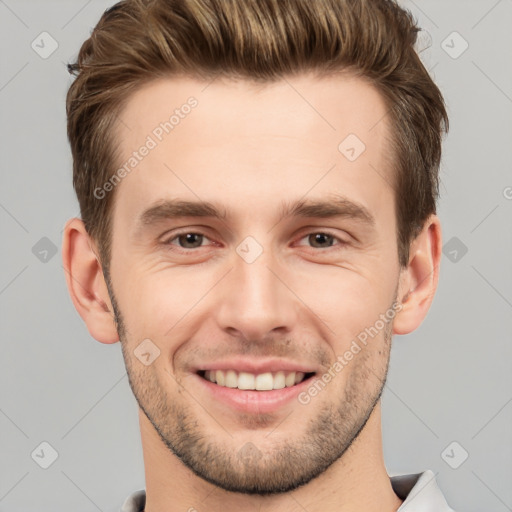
[[182, 250]]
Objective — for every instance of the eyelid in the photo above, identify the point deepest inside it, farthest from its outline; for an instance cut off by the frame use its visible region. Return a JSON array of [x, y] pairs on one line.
[[315, 231], [168, 238], [312, 230]]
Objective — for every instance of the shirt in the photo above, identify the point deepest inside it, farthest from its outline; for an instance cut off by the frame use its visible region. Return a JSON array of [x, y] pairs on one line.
[[420, 493]]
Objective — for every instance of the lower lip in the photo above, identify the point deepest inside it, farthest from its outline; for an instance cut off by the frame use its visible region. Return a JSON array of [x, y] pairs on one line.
[[256, 402]]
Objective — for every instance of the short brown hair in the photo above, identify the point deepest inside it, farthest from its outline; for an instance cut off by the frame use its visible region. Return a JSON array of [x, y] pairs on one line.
[[137, 41]]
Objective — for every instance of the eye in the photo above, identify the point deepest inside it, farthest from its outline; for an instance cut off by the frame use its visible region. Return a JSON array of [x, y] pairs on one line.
[[187, 240], [322, 240]]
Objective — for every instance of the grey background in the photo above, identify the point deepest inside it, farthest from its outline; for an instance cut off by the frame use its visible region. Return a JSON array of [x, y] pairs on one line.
[[449, 381]]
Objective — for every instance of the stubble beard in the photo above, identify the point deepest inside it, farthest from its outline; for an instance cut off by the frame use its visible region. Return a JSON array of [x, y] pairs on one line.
[[252, 469]]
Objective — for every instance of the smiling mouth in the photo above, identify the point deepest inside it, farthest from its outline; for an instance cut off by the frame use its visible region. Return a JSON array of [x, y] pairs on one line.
[[259, 382]]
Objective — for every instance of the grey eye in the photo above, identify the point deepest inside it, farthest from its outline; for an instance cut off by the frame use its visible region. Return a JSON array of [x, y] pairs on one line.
[[190, 240], [319, 240]]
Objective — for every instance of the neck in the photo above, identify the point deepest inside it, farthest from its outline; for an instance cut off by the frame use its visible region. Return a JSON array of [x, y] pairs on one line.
[[357, 482]]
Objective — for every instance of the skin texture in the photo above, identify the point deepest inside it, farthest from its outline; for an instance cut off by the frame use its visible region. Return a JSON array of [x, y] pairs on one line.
[[251, 150]]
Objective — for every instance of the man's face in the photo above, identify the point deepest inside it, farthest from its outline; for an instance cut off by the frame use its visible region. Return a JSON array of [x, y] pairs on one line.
[[256, 291]]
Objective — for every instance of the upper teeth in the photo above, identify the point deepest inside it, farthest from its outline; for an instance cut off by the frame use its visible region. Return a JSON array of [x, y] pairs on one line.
[[260, 382]]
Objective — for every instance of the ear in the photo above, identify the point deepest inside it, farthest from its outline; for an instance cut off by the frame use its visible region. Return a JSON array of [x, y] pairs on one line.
[[418, 281], [86, 283]]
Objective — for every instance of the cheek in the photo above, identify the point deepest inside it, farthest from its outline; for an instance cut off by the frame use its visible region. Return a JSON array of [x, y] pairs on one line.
[[157, 302], [346, 300]]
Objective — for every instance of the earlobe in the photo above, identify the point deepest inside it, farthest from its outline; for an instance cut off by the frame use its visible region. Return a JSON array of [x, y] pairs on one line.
[[86, 283], [418, 281]]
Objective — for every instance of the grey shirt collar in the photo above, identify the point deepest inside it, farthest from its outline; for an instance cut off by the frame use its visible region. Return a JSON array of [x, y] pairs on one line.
[[420, 493]]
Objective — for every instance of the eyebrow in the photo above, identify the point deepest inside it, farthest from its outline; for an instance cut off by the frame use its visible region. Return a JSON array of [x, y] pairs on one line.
[[332, 206]]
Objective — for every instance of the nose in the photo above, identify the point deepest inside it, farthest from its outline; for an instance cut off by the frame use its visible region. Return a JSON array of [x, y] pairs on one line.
[[255, 301]]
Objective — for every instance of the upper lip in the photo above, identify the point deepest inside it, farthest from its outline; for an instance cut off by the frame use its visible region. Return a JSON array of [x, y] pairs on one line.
[[257, 366]]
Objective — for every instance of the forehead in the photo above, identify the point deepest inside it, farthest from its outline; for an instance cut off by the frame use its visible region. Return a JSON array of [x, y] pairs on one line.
[[297, 106], [248, 143]]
